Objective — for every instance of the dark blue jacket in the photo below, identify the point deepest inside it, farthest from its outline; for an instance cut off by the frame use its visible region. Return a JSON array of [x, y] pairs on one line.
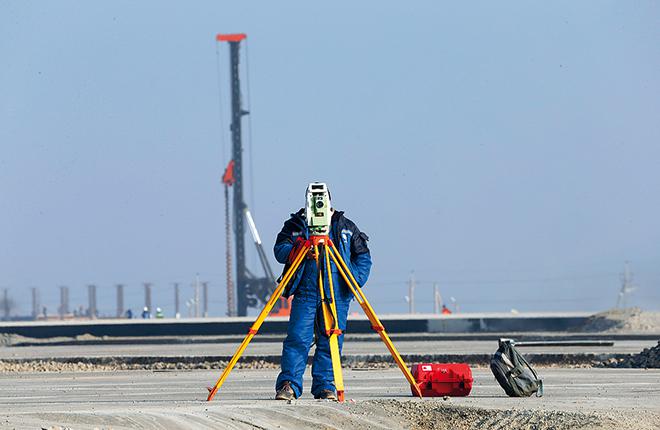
[[348, 239]]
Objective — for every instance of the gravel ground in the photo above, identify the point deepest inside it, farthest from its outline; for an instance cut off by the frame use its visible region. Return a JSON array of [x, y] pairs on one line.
[[108, 364], [435, 414], [115, 365]]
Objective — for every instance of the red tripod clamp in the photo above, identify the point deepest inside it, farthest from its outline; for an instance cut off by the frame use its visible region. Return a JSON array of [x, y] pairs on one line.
[[320, 240]]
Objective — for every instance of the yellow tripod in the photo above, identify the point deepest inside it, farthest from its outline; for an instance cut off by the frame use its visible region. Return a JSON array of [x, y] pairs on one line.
[[322, 244]]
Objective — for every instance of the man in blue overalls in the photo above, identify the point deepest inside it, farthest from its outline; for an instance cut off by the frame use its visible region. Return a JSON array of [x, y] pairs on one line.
[[305, 321]]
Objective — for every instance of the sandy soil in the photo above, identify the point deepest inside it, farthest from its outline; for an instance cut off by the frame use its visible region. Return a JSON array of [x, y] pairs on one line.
[[439, 415], [429, 414], [379, 399], [629, 320]]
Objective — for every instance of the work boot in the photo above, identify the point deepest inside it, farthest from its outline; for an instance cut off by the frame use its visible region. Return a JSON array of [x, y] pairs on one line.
[[326, 395], [285, 392]]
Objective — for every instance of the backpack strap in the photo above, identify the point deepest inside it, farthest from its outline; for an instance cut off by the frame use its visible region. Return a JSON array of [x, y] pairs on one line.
[[539, 392]]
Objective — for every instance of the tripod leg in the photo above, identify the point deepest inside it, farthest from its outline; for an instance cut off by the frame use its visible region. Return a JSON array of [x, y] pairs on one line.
[[336, 366], [331, 329], [335, 332], [260, 319], [373, 318]]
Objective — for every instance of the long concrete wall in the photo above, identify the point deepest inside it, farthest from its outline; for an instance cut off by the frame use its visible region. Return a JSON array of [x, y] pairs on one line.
[[461, 323]]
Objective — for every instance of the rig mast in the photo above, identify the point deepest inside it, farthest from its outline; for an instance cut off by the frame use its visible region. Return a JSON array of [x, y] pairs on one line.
[[250, 289]]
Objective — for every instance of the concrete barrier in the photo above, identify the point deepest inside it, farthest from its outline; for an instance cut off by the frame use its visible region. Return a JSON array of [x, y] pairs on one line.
[[406, 323]]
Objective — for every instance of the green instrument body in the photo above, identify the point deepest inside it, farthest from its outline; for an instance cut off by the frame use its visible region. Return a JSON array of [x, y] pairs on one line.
[[318, 211]]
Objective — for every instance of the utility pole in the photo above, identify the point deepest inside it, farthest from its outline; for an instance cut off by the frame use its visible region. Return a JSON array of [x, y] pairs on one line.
[[196, 287], [5, 304], [627, 287], [64, 301], [91, 295], [205, 297], [120, 300], [35, 303], [437, 299], [147, 296], [411, 293], [177, 300]]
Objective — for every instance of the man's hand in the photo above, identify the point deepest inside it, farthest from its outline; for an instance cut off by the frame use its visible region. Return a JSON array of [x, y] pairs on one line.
[[297, 245]]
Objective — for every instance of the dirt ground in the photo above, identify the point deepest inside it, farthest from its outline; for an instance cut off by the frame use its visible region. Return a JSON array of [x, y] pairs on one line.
[[442, 416], [373, 414], [376, 399], [376, 414]]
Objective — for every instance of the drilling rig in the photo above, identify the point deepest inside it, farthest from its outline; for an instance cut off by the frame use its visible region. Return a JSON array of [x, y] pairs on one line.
[[251, 290]]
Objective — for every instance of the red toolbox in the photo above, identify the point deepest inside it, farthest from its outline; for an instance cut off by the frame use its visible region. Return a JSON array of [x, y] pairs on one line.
[[443, 379]]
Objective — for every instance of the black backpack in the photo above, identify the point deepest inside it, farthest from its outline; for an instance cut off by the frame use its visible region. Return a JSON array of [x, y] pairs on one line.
[[513, 372]]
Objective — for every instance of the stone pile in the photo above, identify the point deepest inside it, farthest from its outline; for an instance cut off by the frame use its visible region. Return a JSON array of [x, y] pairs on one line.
[[647, 359]]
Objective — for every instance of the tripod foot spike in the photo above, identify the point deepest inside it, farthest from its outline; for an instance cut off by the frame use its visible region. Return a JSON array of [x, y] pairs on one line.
[[417, 390], [212, 392], [340, 396]]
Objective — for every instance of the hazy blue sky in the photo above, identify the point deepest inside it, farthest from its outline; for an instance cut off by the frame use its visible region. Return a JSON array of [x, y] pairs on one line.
[[509, 151]]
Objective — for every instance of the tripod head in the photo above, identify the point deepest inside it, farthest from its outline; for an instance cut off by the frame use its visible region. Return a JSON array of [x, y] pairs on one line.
[[318, 212]]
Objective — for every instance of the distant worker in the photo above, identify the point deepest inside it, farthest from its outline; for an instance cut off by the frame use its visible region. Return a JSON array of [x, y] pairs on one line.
[[159, 313], [129, 314], [445, 310], [304, 322], [145, 313]]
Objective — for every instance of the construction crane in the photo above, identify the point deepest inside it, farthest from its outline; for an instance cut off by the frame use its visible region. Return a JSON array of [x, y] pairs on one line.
[[251, 290]]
